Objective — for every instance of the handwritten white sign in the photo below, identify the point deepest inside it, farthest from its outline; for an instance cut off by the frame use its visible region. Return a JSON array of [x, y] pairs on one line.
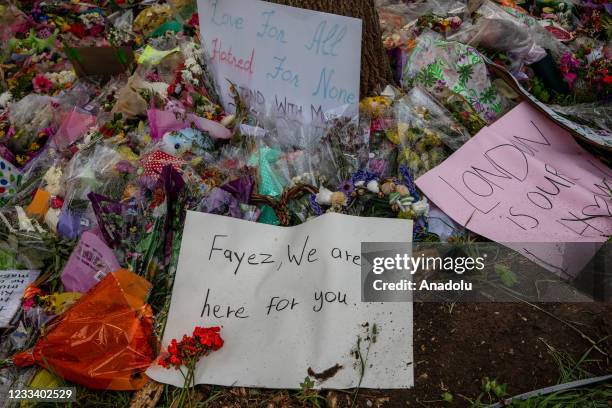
[[287, 61], [288, 299], [525, 182], [12, 285]]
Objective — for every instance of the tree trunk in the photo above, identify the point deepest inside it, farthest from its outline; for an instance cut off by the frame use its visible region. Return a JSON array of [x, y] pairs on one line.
[[375, 67]]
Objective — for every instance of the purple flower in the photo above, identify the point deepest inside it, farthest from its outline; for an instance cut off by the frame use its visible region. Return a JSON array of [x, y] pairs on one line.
[[569, 62], [378, 166], [124, 167], [347, 187]]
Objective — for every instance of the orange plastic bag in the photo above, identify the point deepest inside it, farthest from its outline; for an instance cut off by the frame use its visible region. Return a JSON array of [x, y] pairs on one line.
[[104, 341]]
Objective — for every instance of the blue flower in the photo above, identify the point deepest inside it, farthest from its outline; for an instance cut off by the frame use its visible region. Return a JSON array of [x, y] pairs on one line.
[[363, 175], [314, 205], [408, 181]]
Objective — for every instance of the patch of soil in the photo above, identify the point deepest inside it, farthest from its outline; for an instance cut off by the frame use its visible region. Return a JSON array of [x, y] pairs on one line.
[[456, 347]]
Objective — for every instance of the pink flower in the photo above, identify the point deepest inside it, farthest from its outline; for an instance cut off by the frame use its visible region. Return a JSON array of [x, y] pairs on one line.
[[569, 62], [28, 304], [570, 77], [41, 84]]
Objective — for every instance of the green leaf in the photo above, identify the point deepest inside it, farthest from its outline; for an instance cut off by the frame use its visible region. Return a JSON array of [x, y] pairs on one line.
[[507, 277], [447, 397], [72, 54], [307, 384], [122, 57]]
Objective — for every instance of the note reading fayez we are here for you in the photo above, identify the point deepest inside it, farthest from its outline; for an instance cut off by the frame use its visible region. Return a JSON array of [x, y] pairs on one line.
[[288, 300], [285, 61]]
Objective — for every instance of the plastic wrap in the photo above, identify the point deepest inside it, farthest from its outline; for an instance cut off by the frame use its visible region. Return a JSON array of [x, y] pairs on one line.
[[421, 108], [22, 240], [104, 341], [597, 115], [495, 29], [421, 138]]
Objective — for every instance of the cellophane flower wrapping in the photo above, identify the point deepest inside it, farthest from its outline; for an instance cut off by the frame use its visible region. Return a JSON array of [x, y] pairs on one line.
[[104, 341]]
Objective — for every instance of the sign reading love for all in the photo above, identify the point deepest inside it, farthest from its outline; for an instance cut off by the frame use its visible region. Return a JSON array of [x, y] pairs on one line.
[[289, 303], [285, 61], [526, 183]]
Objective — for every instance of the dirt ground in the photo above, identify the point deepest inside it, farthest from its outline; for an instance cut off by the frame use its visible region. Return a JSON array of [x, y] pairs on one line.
[[457, 346]]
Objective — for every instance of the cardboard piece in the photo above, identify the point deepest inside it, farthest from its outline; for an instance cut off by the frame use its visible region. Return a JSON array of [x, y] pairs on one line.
[[524, 180], [100, 61]]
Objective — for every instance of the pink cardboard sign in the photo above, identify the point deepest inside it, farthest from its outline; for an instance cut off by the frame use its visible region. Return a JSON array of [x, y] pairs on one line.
[[524, 181], [88, 264]]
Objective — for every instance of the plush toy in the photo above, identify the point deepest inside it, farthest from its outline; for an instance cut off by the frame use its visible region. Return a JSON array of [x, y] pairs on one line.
[[177, 143]]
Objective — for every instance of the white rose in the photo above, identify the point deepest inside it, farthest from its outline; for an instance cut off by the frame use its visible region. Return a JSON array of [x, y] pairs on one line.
[[324, 196], [372, 186]]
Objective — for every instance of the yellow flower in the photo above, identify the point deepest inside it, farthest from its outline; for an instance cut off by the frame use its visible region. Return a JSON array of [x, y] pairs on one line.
[[338, 198], [393, 136], [402, 190]]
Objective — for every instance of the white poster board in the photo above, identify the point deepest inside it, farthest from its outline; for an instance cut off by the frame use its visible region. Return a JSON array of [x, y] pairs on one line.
[[300, 288], [12, 285], [287, 61]]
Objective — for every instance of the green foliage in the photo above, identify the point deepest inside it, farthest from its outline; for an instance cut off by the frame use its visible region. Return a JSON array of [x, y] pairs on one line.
[[447, 397], [507, 277], [307, 395]]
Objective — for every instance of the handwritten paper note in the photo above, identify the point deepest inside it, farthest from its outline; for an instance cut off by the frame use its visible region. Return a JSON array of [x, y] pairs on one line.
[[522, 181], [288, 299], [284, 60], [12, 285]]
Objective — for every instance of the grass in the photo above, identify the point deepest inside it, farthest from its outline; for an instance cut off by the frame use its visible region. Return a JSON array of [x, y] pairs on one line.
[[570, 369], [590, 397]]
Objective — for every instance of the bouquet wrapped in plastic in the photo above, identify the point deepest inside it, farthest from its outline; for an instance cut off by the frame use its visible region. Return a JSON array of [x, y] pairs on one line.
[[104, 341]]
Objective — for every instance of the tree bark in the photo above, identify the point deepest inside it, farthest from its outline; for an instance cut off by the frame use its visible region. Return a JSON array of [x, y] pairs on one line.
[[375, 68]]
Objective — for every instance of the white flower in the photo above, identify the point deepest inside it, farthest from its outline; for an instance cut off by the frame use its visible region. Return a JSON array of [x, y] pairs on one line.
[[421, 207], [5, 99], [187, 75], [360, 183], [52, 218], [228, 120], [53, 178], [324, 196], [372, 186], [25, 224]]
